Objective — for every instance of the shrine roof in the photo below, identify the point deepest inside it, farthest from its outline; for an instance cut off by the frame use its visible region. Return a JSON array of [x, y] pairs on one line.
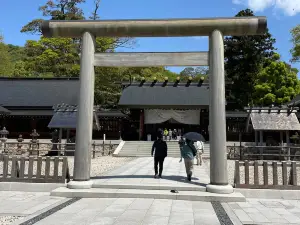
[[65, 116], [275, 119], [38, 92], [4, 111], [165, 95]]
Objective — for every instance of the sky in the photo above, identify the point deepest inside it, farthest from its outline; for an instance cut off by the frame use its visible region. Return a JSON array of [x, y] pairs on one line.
[[282, 16]]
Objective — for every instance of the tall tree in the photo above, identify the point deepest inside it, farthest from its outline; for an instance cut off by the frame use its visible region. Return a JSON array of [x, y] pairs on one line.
[[295, 51], [244, 56], [276, 84], [5, 60], [195, 72], [56, 56], [56, 10]]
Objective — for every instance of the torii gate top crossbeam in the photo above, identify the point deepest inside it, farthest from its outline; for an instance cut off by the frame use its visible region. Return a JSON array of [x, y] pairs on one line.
[[236, 26]]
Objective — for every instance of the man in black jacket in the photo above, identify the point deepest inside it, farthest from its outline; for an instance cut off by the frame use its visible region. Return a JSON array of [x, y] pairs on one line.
[[160, 152]]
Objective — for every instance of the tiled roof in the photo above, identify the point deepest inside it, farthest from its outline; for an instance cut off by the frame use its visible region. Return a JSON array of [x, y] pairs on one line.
[[38, 92], [168, 96]]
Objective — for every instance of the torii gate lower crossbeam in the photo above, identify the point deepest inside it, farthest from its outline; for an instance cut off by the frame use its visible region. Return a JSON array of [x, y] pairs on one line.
[[215, 28]]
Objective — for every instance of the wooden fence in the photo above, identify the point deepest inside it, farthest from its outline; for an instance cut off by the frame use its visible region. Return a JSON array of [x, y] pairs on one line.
[[281, 153], [34, 169], [66, 149], [267, 175]]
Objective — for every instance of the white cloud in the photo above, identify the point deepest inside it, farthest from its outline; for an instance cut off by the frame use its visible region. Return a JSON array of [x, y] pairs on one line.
[[289, 7]]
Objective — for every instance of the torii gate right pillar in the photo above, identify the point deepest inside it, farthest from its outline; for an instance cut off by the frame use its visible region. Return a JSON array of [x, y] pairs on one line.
[[217, 117]]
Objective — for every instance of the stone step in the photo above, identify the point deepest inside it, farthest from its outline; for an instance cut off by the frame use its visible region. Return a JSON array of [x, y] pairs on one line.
[[149, 186], [143, 149], [153, 194]]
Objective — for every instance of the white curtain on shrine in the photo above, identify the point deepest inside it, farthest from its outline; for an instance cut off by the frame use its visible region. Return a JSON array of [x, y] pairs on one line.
[[154, 116]]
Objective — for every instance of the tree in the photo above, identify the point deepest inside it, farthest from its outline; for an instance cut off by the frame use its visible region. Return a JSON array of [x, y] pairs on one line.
[[244, 57], [5, 61], [275, 84], [295, 51], [194, 71], [56, 10], [56, 56]]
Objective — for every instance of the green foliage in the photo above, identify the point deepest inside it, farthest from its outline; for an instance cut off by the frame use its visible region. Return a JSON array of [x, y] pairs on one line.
[[275, 84], [244, 58], [56, 10], [57, 56], [5, 62], [295, 51], [17, 53]]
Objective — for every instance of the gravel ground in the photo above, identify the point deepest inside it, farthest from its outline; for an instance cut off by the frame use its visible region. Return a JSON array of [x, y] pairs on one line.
[[5, 220], [102, 164], [231, 168], [99, 165]]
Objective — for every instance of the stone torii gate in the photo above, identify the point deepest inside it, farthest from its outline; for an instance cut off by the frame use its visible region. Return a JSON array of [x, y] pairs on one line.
[[215, 28]]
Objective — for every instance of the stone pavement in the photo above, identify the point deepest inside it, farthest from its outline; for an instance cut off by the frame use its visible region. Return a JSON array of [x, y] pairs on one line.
[[265, 211], [42, 209], [139, 173]]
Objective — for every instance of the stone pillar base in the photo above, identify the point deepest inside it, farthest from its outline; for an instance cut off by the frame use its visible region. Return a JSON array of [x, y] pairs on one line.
[[219, 189], [80, 184]]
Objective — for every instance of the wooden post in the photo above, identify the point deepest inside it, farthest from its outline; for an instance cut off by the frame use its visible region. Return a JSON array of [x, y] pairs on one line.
[[30, 167], [94, 149], [294, 173], [256, 138], [265, 171], [287, 135], [141, 130], [237, 173], [22, 167], [275, 173], [247, 172], [13, 173], [68, 134], [261, 144], [103, 146], [39, 167], [240, 140], [284, 173], [5, 166], [256, 177], [60, 139], [281, 144]]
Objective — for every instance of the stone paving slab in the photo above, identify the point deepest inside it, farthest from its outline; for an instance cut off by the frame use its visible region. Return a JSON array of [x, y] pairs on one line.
[[141, 211], [139, 175], [134, 212], [266, 211], [25, 203]]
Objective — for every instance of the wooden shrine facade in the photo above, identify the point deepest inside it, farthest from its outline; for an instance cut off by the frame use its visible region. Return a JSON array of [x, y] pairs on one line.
[[140, 98], [31, 103]]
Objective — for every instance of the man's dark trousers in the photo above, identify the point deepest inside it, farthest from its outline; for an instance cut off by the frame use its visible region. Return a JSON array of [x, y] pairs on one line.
[[160, 161]]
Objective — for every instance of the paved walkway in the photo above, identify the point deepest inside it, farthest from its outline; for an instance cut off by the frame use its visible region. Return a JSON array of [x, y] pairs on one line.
[[140, 172], [42, 209]]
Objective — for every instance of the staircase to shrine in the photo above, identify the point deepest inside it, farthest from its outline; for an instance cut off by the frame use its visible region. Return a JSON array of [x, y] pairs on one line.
[[143, 149]]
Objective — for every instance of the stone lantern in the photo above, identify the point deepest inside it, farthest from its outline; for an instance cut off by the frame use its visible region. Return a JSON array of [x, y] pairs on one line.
[[19, 145], [3, 138], [34, 142]]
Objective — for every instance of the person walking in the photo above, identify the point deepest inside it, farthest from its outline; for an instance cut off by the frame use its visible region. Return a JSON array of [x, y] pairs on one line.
[[160, 132], [200, 151], [170, 134], [175, 134], [160, 152], [166, 133], [181, 143], [188, 152]]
